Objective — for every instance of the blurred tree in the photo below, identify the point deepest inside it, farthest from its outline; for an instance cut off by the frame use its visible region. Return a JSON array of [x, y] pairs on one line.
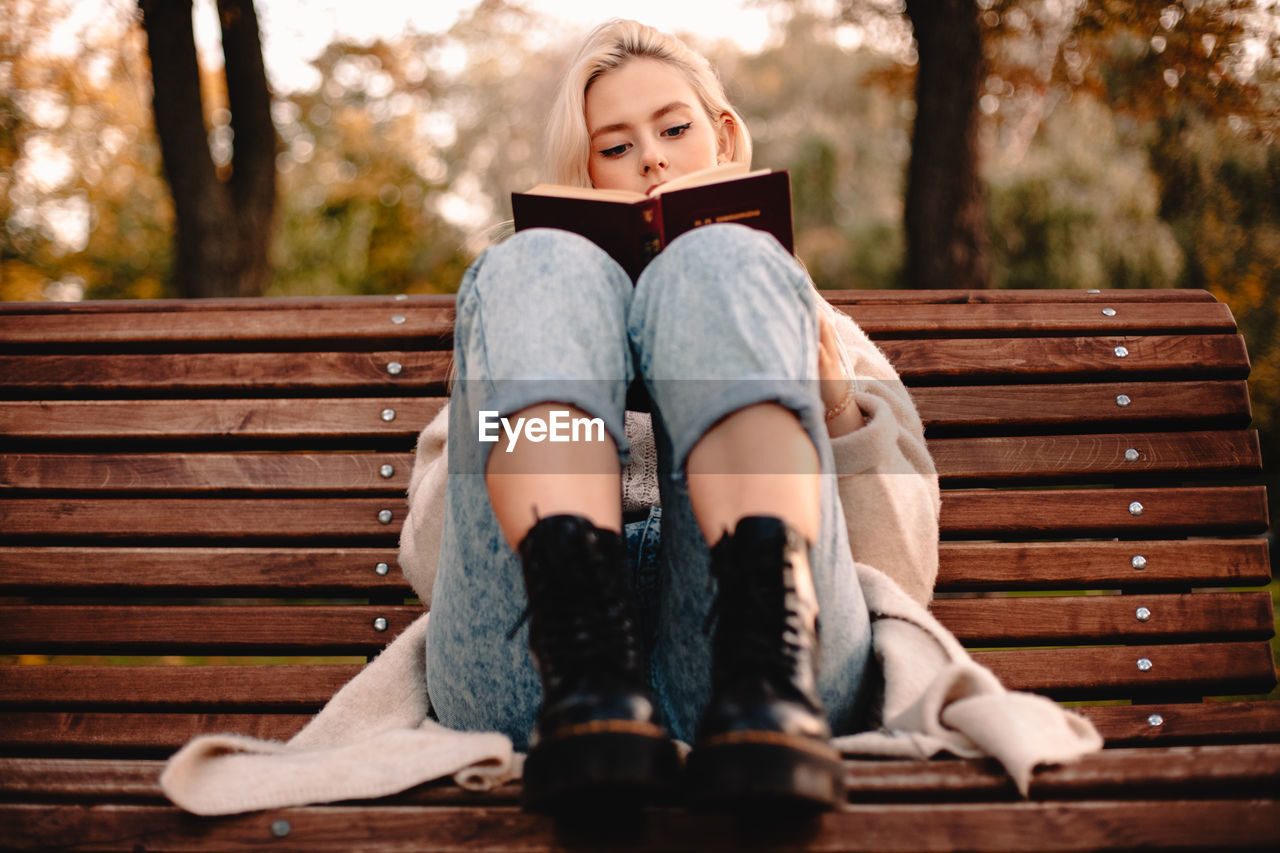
[[1080, 208], [225, 214], [845, 143], [85, 210], [359, 181], [945, 210], [1015, 59], [406, 152], [944, 214]]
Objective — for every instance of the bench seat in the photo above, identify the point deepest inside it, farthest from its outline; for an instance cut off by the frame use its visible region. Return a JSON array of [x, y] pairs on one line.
[[200, 503]]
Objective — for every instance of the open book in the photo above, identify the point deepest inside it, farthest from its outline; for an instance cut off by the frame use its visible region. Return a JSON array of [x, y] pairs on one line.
[[633, 227]]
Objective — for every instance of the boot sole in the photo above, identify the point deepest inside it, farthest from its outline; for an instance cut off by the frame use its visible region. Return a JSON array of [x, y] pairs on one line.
[[746, 774], [607, 770]]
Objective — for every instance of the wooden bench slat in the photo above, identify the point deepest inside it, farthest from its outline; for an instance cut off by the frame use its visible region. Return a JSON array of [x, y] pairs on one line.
[[1186, 454], [1100, 299], [996, 410], [97, 308], [1065, 673], [230, 629], [963, 566], [919, 362], [126, 779], [1122, 511], [1108, 618], [259, 687], [427, 327], [1072, 407], [49, 731], [203, 571], [973, 360], [1117, 772], [192, 473], [1232, 510], [430, 326], [1009, 459], [1228, 767], [1184, 298], [350, 420], [349, 629], [884, 321], [1196, 721], [1071, 565], [1107, 672], [1047, 826], [204, 519], [64, 376]]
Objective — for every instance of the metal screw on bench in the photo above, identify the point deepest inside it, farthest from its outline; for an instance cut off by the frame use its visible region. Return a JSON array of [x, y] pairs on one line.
[[1135, 508], [1155, 720], [1143, 614], [1108, 312], [281, 828], [380, 624], [397, 319], [1121, 352], [1123, 400], [394, 368], [1139, 562], [386, 471], [388, 415], [1144, 664], [381, 569], [1093, 291], [1131, 455], [384, 515], [401, 297]]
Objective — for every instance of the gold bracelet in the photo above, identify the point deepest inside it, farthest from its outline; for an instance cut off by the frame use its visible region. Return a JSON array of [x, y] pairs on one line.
[[834, 411]]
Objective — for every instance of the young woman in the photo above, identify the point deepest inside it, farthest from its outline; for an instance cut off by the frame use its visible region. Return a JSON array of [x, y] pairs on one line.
[[662, 575]]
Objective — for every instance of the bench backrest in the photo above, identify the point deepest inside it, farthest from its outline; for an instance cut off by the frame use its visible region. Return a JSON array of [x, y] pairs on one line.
[[211, 493]]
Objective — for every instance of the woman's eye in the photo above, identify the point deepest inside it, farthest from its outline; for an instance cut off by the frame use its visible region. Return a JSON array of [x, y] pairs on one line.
[[615, 151], [678, 130]]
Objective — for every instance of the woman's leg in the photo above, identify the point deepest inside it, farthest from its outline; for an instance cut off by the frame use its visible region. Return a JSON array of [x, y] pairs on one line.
[[540, 319], [723, 322]]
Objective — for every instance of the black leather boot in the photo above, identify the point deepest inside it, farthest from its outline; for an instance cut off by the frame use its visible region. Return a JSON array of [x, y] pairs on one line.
[[595, 741], [764, 736]]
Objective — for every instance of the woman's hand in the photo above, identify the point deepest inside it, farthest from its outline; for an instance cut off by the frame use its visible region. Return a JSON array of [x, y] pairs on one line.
[[836, 387]]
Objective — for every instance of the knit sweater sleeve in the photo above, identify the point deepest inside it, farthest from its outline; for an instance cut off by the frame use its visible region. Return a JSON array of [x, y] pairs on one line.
[[424, 524], [887, 481]]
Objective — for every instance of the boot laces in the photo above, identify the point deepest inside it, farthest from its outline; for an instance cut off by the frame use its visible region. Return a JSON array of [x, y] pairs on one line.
[[757, 630], [584, 619]]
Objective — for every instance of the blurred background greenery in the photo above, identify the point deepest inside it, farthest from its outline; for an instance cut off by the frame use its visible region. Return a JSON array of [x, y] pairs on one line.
[[1121, 143]]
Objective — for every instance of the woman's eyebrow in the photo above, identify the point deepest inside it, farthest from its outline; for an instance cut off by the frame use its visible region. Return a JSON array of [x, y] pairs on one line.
[[657, 114]]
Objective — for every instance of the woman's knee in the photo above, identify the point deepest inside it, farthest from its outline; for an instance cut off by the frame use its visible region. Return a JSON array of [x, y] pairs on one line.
[[539, 262], [725, 261]]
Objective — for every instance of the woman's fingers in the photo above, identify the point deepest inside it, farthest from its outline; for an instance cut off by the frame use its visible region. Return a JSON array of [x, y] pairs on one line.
[[830, 371]]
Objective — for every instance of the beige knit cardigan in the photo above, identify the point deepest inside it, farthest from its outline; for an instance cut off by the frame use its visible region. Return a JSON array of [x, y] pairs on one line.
[[375, 737]]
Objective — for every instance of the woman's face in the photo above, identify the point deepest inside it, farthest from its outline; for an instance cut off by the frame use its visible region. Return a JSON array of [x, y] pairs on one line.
[[647, 126]]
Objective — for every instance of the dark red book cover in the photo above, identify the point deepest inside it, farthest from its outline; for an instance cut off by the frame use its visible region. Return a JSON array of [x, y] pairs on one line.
[[634, 232]]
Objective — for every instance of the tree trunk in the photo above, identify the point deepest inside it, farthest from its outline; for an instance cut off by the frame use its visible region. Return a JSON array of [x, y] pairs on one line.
[[945, 217], [223, 229], [253, 158]]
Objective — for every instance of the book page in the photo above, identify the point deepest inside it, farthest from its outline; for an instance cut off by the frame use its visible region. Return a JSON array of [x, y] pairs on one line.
[[703, 177], [587, 193]]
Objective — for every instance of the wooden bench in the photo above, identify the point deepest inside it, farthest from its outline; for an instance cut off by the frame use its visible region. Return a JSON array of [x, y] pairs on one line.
[[200, 503]]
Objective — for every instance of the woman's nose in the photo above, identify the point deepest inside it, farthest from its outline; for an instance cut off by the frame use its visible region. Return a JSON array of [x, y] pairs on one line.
[[653, 159]]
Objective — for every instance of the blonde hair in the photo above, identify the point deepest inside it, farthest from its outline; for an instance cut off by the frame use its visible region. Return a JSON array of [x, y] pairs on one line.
[[608, 47]]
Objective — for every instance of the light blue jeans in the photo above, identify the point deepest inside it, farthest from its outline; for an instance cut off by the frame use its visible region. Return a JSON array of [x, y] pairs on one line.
[[723, 318]]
